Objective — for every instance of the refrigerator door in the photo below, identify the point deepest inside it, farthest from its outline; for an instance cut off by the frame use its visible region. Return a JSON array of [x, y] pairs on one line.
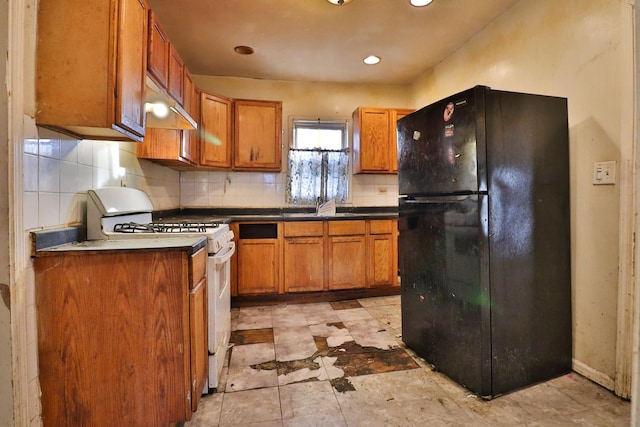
[[441, 147], [445, 286]]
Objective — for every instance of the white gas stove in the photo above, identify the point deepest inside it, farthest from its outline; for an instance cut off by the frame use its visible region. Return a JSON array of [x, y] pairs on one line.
[[125, 213]]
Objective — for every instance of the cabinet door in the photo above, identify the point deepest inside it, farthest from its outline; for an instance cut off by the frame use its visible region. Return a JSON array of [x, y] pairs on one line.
[[258, 266], [371, 140], [131, 66], [175, 85], [198, 335], [165, 146], [380, 260], [190, 150], [382, 253], [258, 135], [158, 52], [303, 264], [215, 131], [347, 268], [395, 115]]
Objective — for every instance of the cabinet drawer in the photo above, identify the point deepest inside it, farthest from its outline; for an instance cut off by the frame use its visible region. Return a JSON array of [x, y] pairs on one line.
[[381, 226], [303, 229], [198, 267], [346, 228]]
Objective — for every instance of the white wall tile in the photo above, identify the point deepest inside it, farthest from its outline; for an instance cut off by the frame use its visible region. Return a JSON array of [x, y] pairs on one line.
[[48, 174], [30, 172], [48, 209]]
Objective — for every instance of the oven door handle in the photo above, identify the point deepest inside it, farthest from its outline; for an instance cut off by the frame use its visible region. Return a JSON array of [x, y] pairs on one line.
[[224, 256]]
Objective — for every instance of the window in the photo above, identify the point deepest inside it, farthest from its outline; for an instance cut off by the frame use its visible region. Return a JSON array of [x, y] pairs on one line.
[[318, 162]]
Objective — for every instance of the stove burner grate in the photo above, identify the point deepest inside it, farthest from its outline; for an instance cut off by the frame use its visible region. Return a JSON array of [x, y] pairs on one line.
[[165, 227]]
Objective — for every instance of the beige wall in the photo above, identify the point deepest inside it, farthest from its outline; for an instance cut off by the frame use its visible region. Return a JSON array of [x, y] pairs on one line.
[[570, 49]]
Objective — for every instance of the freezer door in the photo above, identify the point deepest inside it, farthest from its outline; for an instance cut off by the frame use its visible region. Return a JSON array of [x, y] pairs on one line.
[[441, 147], [445, 289]]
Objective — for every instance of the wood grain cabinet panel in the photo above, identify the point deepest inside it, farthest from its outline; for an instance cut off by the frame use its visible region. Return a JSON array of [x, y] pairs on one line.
[[303, 264], [198, 333], [382, 259], [257, 135], [190, 148], [216, 131], [175, 85], [119, 333], [374, 139], [347, 262], [91, 68], [304, 261], [258, 266], [158, 52]]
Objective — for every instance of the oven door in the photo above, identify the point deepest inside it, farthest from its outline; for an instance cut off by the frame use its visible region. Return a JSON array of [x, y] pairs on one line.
[[219, 300]]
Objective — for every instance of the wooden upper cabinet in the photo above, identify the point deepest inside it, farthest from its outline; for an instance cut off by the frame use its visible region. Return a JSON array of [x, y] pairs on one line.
[[371, 140], [190, 149], [158, 52], [164, 64], [257, 135], [215, 131], [396, 114], [90, 78], [175, 86], [374, 139]]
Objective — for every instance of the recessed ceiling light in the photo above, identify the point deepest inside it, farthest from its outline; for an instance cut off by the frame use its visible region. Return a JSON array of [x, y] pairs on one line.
[[243, 50], [419, 3], [371, 60], [339, 2]]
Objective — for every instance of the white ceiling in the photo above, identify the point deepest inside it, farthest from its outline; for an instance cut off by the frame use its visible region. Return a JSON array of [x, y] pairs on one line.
[[313, 40]]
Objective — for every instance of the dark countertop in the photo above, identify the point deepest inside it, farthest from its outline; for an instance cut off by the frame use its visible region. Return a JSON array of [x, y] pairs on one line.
[[228, 215], [189, 243]]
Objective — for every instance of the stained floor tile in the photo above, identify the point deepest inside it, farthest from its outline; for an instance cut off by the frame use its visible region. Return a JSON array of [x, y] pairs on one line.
[[344, 364], [251, 336]]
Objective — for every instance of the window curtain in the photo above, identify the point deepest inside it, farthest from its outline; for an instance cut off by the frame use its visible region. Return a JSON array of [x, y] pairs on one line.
[[317, 174]]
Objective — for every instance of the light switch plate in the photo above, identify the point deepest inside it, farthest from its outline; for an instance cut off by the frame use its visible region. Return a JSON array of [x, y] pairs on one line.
[[604, 173]]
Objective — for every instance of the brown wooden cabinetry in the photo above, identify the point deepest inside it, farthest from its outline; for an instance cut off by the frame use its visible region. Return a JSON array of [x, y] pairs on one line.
[[382, 253], [164, 64], [173, 147], [121, 336], [190, 149], [215, 131], [303, 256], [346, 249], [315, 255], [257, 135], [198, 325], [374, 139], [90, 77], [158, 52], [258, 264]]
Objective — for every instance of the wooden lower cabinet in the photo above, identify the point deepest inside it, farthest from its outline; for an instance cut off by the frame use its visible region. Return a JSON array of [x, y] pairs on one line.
[[121, 336], [347, 268], [382, 260], [258, 259], [314, 256], [304, 256], [199, 338]]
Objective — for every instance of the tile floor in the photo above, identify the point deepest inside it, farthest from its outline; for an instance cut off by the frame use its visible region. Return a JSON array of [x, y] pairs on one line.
[[344, 364]]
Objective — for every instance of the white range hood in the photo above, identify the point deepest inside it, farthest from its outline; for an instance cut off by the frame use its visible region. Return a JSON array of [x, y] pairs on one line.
[[178, 118]]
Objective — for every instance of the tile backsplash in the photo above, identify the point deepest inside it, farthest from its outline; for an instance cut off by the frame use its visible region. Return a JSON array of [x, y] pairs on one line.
[[254, 189], [59, 170]]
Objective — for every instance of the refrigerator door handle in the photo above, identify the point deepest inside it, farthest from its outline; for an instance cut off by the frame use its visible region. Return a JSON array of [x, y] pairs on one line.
[[438, 199]]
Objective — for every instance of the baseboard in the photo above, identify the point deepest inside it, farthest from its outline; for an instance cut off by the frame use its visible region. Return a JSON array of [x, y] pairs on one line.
[[595, 376]]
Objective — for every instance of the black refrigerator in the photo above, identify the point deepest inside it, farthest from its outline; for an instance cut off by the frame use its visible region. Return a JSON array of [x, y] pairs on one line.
[[484, 244]]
